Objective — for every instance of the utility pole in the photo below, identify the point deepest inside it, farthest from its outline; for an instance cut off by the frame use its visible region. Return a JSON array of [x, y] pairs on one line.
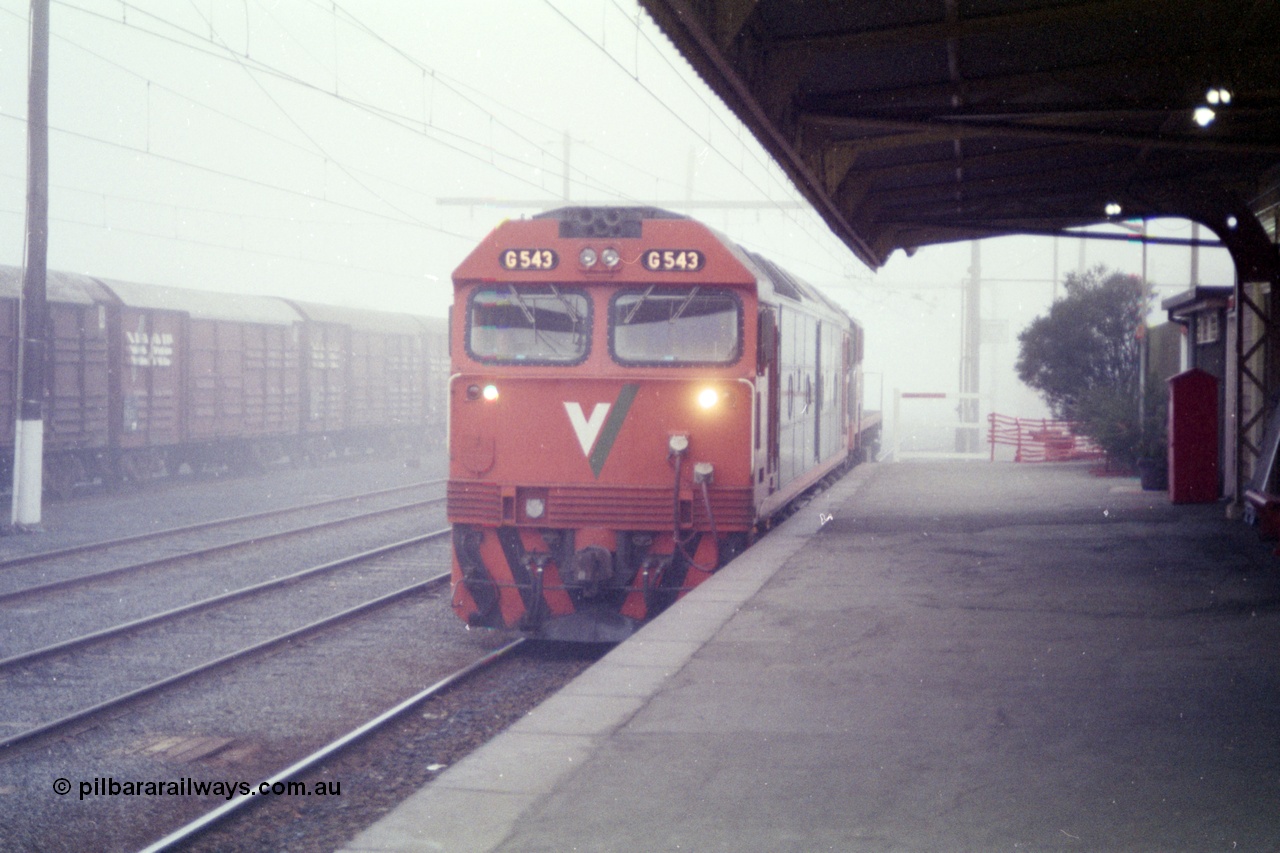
[[28, 451], [1195, 254], [967, 433]]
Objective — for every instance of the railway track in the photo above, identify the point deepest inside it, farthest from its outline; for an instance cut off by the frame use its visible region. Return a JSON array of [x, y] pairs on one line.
[[17, 584], [257, 700], [176, 576], [186, 833], [238, 683], [17, 669]]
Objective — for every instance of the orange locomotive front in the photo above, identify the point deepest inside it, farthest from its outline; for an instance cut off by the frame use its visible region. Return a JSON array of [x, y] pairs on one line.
[[601, 419]]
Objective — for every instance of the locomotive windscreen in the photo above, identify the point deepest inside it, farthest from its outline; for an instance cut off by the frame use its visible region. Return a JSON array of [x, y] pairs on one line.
[[692, 326], [528, 324]]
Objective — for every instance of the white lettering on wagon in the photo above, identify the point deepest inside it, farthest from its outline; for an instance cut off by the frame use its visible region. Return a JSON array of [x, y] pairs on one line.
[[587, 429], [149, 350]]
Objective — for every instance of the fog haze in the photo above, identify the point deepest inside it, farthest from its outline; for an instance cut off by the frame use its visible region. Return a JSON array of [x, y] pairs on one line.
[[327, 151]]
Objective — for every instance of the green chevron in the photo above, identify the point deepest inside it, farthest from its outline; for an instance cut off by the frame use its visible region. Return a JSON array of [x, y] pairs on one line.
[[612, 426]]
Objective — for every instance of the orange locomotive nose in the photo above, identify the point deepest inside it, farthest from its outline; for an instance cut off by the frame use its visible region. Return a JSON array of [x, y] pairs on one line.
[[618, 418]]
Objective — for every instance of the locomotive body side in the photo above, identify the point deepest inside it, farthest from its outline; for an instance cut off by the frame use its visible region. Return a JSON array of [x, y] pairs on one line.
[[605, 425], [809, 369]]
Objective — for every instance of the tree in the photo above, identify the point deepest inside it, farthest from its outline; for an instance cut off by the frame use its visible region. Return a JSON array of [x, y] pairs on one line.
[[1084, 356]]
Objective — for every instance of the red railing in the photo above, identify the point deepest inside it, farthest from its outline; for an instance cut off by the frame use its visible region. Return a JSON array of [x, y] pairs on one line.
[[1039, 439]]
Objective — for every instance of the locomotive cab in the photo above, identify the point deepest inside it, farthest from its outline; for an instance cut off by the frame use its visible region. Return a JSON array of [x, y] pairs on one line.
[[605, 455]]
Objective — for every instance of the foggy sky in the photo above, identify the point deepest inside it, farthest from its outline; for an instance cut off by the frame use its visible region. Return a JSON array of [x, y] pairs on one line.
[[305, 148]]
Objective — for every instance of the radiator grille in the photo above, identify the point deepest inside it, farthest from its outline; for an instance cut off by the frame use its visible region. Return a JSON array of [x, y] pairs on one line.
[[617, 507], [478, 503]]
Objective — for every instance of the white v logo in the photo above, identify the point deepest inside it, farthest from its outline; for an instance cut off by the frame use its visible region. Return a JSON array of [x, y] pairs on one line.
[[587, 430]]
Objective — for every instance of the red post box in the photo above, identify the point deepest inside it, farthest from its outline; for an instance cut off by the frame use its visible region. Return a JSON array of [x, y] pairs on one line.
[[1193, 437]]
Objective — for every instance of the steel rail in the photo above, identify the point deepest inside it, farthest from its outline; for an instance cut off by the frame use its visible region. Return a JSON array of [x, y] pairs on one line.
[[155, 686], [200, 824], [213, 601], [191, 528], [204, 552]]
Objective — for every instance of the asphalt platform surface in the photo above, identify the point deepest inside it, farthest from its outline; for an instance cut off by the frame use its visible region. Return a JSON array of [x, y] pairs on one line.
[[965, 657]]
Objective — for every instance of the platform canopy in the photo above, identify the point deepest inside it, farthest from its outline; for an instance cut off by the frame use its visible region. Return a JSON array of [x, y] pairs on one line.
[[913, 122]]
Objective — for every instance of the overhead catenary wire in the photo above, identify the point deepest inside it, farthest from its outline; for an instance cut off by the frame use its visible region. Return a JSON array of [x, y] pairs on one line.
[[711, 111], [470, 147], [505, 159], [226, 53]]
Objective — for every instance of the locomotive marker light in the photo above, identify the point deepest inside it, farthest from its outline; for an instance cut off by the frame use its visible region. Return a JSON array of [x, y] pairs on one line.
[[610, 257], [678, 443], [587, 257], [488, 392]]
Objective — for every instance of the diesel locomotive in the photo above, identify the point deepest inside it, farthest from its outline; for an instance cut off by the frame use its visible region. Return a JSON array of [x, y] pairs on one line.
[[633, 398]]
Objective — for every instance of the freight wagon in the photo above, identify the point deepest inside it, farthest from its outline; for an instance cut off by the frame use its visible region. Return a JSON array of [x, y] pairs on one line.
[[144, 380]]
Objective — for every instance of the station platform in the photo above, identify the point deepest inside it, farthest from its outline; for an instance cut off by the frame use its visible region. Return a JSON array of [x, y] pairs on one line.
[[966, 656]]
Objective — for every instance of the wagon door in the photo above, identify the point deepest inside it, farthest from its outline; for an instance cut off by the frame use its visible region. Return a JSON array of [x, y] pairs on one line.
[[365, 392], [233, 417], [375, 377], [77, 377], [272, 372], [326, 377], [148, 364], [264, 357], [254, 379], [210, 381]]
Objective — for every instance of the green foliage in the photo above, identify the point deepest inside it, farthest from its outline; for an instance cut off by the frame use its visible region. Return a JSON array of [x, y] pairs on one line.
[[1085, 354], [1111, 418], [1087, 341]]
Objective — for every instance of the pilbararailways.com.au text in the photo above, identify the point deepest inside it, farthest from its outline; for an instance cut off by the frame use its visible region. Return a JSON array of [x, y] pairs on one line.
[[109, 786]]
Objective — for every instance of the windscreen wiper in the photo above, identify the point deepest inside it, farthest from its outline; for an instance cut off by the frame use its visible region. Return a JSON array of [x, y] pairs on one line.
[[626, 321]]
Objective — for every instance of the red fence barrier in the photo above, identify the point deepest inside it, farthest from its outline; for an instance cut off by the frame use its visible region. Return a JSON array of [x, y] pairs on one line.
[[1039, 440]]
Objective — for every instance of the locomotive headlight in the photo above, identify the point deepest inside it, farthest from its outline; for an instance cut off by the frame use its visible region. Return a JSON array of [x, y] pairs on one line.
[[587, 257], [535, 507], [708, 397], [610, 258]]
